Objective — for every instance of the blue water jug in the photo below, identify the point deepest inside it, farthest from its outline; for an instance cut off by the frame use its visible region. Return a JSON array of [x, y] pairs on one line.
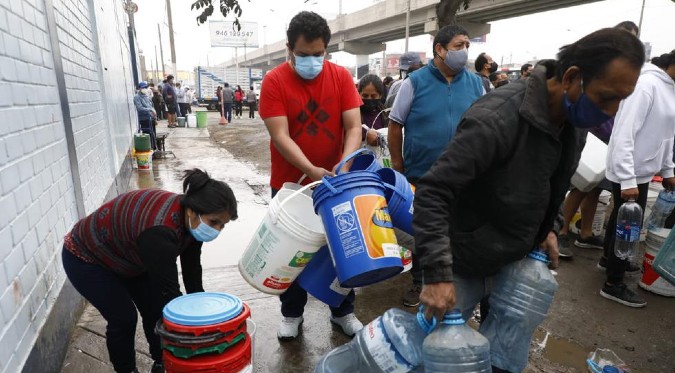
[[522, 294], [456, 347], [392, 343], [664, 205]]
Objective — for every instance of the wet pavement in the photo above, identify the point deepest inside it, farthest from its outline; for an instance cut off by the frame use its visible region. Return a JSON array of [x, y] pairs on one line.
[[579, 320]]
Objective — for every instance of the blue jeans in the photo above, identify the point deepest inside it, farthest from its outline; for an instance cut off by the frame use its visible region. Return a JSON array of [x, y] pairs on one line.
[[294, 299], [117, 298], [468, 293], [228, 111]]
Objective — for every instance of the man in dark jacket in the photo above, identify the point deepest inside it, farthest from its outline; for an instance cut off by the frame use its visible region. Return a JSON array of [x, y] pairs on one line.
[[494, 194]]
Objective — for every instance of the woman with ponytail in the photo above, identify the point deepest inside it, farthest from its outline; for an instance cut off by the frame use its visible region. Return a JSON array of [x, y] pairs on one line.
[[122, 257]]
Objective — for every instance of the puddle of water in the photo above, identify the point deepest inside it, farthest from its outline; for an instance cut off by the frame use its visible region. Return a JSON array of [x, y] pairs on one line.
[[562, 351]]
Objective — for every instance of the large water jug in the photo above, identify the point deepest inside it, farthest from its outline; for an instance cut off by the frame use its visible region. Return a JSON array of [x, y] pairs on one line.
[[456, 347], [391, 343], [522, 294], [664, 205], [628, 222]]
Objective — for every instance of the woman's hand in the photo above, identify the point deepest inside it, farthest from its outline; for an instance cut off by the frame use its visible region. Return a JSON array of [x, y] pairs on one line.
[[372, 137]]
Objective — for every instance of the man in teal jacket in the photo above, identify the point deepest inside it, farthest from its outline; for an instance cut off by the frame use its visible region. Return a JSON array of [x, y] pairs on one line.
[[429, 106]]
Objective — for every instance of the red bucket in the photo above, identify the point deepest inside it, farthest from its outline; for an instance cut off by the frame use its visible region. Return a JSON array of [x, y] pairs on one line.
[[233, 326], [234, 359]]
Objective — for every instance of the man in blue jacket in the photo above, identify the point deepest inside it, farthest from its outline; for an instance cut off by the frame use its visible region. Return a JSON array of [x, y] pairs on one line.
[[146, 111], [429, 105]]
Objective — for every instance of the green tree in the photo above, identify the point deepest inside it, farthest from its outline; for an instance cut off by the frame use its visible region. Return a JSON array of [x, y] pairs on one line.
[[446, 10]]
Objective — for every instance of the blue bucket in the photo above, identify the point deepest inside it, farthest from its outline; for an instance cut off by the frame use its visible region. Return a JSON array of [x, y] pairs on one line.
[[400, 195], [364, 160], [358, 228], [320, 279]]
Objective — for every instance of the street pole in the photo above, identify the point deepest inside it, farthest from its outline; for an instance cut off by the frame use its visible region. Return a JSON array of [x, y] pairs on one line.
[[161, 51], [173, 48], [236, 66], [642, 12], [407, 25], [384, 61], [157, 67]]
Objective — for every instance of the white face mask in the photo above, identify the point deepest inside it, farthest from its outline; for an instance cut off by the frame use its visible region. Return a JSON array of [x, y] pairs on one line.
[[145, 92]]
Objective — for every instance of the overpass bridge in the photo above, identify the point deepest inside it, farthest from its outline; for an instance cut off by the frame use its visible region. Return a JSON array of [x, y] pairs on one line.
[[364, 32]]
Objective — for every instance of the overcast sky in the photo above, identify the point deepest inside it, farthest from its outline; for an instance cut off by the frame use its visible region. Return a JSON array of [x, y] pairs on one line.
[[519, 39]]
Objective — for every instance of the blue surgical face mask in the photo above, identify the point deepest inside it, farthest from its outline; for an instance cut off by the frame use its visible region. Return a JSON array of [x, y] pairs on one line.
[[308, 67], [584, 113], [456, 60], [204, 232]]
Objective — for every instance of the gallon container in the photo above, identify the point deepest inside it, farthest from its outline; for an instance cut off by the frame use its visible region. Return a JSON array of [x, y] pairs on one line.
[[661, 209], [181, 121], [144, 160], [456, 347], [591, 169], [522, 294], [201, 119], [400, 195], [284, 243], [600, 212], [363, 160], [391, 343], [381, 150], [358, 227], [142, 142], [651, 280], [320, 279], [191, 120]]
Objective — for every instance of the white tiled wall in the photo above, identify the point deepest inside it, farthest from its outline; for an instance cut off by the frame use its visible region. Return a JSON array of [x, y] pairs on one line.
[[37, 199]]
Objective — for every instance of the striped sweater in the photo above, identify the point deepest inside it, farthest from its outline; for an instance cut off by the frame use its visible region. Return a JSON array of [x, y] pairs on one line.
[[109, 236]]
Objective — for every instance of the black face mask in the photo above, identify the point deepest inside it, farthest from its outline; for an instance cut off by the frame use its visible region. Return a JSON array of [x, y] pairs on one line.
[[370, 104], [493, 67]]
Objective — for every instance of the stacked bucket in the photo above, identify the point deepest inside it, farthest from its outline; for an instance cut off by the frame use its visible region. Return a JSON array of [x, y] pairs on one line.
[[143, 151], [352, 216], [206, 333]]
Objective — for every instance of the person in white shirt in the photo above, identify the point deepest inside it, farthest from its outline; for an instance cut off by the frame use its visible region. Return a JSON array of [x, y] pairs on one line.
[[181, 100], [189, 97], [641, 146]]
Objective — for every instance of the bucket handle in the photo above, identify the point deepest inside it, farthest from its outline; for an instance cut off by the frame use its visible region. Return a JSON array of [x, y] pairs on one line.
[[296, 193], [357, 153]]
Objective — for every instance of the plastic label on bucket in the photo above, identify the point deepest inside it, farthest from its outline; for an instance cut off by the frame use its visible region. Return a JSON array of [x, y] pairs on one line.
[[335, 286], [381, 350]]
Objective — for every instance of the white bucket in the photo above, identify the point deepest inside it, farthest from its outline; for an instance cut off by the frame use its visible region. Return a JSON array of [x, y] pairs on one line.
[[651, 280], [191, 120], [591, 169], [285, 241], [250, 330]]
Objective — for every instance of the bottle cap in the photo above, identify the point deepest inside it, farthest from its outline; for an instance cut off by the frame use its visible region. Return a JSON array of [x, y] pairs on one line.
[[453, 317], [538, 255]]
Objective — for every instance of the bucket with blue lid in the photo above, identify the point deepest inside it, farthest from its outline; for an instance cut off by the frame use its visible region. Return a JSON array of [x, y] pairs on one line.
[[205, 332]]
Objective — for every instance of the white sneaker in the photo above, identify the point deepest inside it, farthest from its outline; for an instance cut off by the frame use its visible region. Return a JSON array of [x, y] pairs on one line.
[[289, 328], [349, 323]]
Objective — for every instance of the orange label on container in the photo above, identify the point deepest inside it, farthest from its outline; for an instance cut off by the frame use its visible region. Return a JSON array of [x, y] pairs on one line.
[[376, 226], [273, 284]]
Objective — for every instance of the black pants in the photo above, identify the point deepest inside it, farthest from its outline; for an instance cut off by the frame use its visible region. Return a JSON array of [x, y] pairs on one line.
[[117, 298], [617, 267], [294, 299], [184, 109], [238, 108], [251, 110]]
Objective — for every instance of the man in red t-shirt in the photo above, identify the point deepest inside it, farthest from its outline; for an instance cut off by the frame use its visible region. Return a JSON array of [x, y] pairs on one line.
[[311, 109]]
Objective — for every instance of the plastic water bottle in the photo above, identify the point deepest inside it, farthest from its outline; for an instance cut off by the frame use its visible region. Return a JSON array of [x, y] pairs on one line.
[[628, 223], [522, 294], [456, 347], [392, 343], [664, 205]]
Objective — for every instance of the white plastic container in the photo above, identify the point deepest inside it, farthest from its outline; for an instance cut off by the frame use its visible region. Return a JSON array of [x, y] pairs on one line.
[[651, 280], [191, 120], [591, 169], [284, 243], [600, 212], [652, 195], [381, 152], [250, 330]]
